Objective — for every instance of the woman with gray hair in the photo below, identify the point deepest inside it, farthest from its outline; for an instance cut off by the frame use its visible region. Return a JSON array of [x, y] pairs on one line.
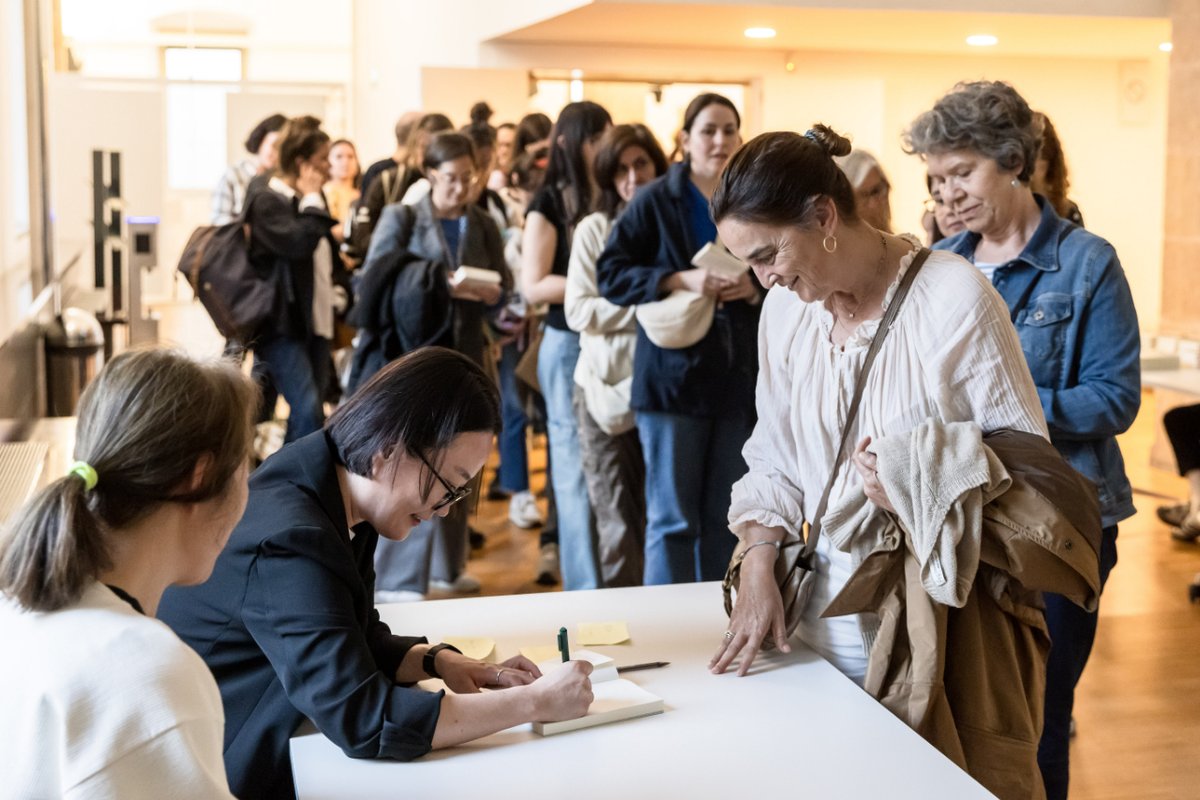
[[1069, 300], [871, 188]]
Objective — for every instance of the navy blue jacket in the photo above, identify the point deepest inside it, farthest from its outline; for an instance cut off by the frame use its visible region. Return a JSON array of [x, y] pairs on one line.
[[652, 239], [1074, 313], [288, 626]]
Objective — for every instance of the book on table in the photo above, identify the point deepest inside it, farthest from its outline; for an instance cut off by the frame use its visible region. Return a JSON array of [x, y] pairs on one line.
[[614, 698]]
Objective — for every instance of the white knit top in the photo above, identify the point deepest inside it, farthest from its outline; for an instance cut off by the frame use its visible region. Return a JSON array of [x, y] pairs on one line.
[[100, 701]]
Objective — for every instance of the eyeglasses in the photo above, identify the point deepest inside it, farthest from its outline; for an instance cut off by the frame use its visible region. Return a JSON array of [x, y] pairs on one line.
[[465, 179], [453, 494]]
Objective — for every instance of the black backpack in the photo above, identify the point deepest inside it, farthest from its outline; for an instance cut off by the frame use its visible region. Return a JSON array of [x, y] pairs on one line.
[[216, 262]]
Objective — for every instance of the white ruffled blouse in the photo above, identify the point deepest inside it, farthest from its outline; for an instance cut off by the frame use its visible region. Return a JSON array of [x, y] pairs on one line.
[[952, 355]]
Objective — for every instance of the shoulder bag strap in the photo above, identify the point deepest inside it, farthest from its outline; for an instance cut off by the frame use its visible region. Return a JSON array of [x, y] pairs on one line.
[[885, 325]]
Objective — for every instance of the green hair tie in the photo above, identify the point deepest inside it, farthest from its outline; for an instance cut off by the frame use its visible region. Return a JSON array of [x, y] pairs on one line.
[[84, 470]]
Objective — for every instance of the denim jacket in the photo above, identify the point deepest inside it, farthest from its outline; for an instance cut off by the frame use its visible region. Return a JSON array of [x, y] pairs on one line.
[[1074, 313]]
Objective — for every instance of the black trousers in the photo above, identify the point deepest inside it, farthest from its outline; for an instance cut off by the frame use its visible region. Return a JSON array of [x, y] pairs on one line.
[[1183, 429]]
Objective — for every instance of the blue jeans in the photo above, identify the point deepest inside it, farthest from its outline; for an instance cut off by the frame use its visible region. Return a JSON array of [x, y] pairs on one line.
[[556, 373], [300, 370], [514, 459], [1072, 631], [691, 466]]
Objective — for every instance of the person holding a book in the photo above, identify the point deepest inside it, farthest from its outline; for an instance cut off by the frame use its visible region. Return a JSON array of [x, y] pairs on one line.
[[287, 622], [693, 405], [444, 228]]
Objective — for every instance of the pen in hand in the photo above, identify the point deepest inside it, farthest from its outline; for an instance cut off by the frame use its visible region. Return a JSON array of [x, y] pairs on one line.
[[562, 644]]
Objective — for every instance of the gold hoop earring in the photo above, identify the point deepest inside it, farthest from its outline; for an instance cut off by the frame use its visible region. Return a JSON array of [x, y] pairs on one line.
[[826, 245]]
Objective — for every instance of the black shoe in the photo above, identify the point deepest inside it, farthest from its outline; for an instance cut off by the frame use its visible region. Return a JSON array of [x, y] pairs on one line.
[[497, 492], [477, 539], [1173, 514], [1188, 532]]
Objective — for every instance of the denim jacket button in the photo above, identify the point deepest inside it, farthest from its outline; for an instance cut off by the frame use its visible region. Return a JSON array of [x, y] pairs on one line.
[[1038, 315]]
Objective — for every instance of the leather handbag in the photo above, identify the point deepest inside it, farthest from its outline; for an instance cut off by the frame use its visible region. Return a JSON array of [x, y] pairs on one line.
[[216, 263], [795, 560]]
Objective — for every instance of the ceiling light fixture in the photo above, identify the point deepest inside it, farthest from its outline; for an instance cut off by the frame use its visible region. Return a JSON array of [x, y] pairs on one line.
[[1166, 47], [982, 40], [760, 33]]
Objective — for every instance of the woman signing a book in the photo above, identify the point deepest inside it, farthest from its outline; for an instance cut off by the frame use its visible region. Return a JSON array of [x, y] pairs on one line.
[[287, 622]]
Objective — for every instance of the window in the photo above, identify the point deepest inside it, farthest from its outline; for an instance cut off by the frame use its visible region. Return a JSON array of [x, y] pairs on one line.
[[197, 85]]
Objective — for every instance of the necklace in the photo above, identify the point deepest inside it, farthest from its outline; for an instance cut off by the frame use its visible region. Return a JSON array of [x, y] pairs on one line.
[[878, 272]]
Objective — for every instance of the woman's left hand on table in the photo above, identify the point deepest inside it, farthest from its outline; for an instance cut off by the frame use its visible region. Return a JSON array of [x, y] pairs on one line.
[[466, 675], [868, 465]]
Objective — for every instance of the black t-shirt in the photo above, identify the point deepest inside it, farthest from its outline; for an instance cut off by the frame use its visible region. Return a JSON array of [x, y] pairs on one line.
[[548, 202], [373, 172]]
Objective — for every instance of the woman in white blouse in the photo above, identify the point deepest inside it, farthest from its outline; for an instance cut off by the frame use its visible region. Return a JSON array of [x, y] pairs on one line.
[[785, 208], [100, 699]]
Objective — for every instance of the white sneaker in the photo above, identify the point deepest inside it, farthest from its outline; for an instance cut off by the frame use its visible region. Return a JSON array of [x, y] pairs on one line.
[[523, 511], [463, 584], [398, 596]]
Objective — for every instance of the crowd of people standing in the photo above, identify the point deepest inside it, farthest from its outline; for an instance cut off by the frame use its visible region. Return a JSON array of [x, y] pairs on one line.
[[695, 334]]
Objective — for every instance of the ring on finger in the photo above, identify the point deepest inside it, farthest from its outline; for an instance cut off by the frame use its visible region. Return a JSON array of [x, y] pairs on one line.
[[498, 674], [728, 635]]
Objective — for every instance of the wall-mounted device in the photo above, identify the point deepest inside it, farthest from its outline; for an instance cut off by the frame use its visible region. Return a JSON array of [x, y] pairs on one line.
[[123, 248]]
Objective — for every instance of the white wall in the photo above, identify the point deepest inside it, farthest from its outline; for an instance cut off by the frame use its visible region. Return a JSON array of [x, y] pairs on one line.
[[15, 287]]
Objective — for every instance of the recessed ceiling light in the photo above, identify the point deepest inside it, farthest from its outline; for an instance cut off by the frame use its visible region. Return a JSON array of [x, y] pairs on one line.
[[760, 33], [1166, 47], [982, 40]]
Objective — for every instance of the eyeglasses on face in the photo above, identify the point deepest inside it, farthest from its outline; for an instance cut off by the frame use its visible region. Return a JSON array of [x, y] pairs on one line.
[[453, 493]]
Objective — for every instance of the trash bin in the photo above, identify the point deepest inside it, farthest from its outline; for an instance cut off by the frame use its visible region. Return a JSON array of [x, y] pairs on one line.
[[74, 341]]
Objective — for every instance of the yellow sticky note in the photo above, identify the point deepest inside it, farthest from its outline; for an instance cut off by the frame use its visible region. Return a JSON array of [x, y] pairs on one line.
[[594, 633], [537, 653], [476, 647]]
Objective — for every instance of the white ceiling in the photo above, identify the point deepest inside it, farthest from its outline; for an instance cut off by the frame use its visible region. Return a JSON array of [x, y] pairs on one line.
[[698, 25]]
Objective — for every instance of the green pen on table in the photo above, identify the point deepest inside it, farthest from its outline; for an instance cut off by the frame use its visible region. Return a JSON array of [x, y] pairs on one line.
[[562, 644]]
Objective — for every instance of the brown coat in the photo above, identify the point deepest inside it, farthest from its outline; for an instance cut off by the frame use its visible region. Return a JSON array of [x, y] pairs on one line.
[[971, 680]]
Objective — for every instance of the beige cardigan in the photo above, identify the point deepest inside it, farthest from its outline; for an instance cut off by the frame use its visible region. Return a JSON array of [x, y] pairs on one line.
[[971, 679]]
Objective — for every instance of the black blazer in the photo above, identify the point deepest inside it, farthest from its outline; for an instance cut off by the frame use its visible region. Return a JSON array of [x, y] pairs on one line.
[[282, 241], [288, 626]]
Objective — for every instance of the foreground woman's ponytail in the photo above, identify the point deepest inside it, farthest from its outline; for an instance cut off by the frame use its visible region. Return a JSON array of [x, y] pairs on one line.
[[144, 423]]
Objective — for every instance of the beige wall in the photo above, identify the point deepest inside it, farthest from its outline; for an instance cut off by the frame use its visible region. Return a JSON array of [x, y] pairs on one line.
[[1181, 234]]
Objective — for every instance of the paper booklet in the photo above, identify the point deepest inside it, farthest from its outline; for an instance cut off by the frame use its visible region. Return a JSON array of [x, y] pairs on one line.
[[476, 275], [615, 698], [716, 259]]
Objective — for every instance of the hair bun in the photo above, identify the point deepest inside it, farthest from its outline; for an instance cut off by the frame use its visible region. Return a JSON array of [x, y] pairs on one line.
[[481, 112], [829, 140]]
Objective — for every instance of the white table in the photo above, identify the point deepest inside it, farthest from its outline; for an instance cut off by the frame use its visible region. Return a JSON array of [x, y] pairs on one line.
[[796, 727], [1186, 381]]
